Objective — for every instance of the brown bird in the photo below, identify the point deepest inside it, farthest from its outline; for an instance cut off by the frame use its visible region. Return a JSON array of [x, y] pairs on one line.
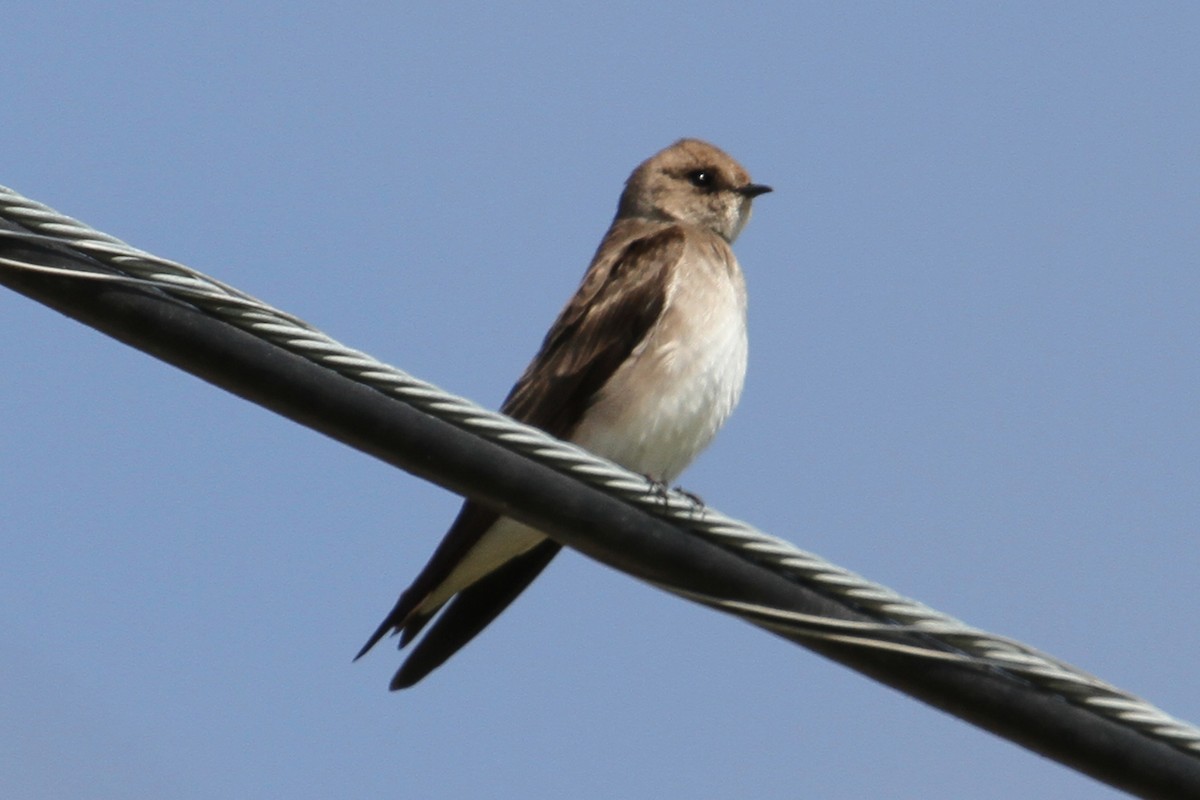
[[642, 366]]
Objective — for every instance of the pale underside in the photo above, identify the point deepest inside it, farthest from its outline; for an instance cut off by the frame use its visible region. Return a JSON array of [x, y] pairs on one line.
[[660, 408]]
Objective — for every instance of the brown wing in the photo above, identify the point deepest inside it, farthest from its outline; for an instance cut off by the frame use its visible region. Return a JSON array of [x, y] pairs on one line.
[[618, 303], [615, 307]]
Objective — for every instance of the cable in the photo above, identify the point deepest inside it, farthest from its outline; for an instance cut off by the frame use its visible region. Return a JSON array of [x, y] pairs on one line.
[[106, 283]]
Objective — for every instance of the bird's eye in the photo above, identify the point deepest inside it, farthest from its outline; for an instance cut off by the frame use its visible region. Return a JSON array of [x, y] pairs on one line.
[[702, 178]]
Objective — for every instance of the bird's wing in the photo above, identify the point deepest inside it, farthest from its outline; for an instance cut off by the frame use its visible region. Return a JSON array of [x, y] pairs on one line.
[[616, 306]]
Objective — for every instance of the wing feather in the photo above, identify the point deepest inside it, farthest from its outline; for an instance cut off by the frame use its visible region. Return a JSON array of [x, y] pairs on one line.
[[617, 305]]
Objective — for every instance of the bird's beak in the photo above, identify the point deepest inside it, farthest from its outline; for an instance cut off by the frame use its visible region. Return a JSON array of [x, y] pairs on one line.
[[753, 190]]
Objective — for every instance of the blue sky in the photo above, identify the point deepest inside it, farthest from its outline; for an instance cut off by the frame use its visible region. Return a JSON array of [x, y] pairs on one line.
[[973, 377]]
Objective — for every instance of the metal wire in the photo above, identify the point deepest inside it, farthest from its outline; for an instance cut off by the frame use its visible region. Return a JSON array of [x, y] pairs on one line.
[[947, 638]]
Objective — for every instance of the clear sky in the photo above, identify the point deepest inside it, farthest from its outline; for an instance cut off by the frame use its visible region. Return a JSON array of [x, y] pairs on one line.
[[974, 372]]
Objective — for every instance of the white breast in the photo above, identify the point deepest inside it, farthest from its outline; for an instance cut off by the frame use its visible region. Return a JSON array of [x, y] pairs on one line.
[[664, 405], [661, 407]]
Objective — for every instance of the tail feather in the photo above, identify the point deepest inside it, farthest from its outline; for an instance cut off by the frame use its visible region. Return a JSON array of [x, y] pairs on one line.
[[399, 619], [471, 522], [466, 615]]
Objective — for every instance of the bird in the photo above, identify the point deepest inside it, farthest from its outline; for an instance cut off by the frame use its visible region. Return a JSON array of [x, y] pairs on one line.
[[642, 366]]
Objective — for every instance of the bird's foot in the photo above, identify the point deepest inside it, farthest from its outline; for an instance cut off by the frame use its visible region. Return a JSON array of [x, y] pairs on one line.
[[662, 491], [696, 499]]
